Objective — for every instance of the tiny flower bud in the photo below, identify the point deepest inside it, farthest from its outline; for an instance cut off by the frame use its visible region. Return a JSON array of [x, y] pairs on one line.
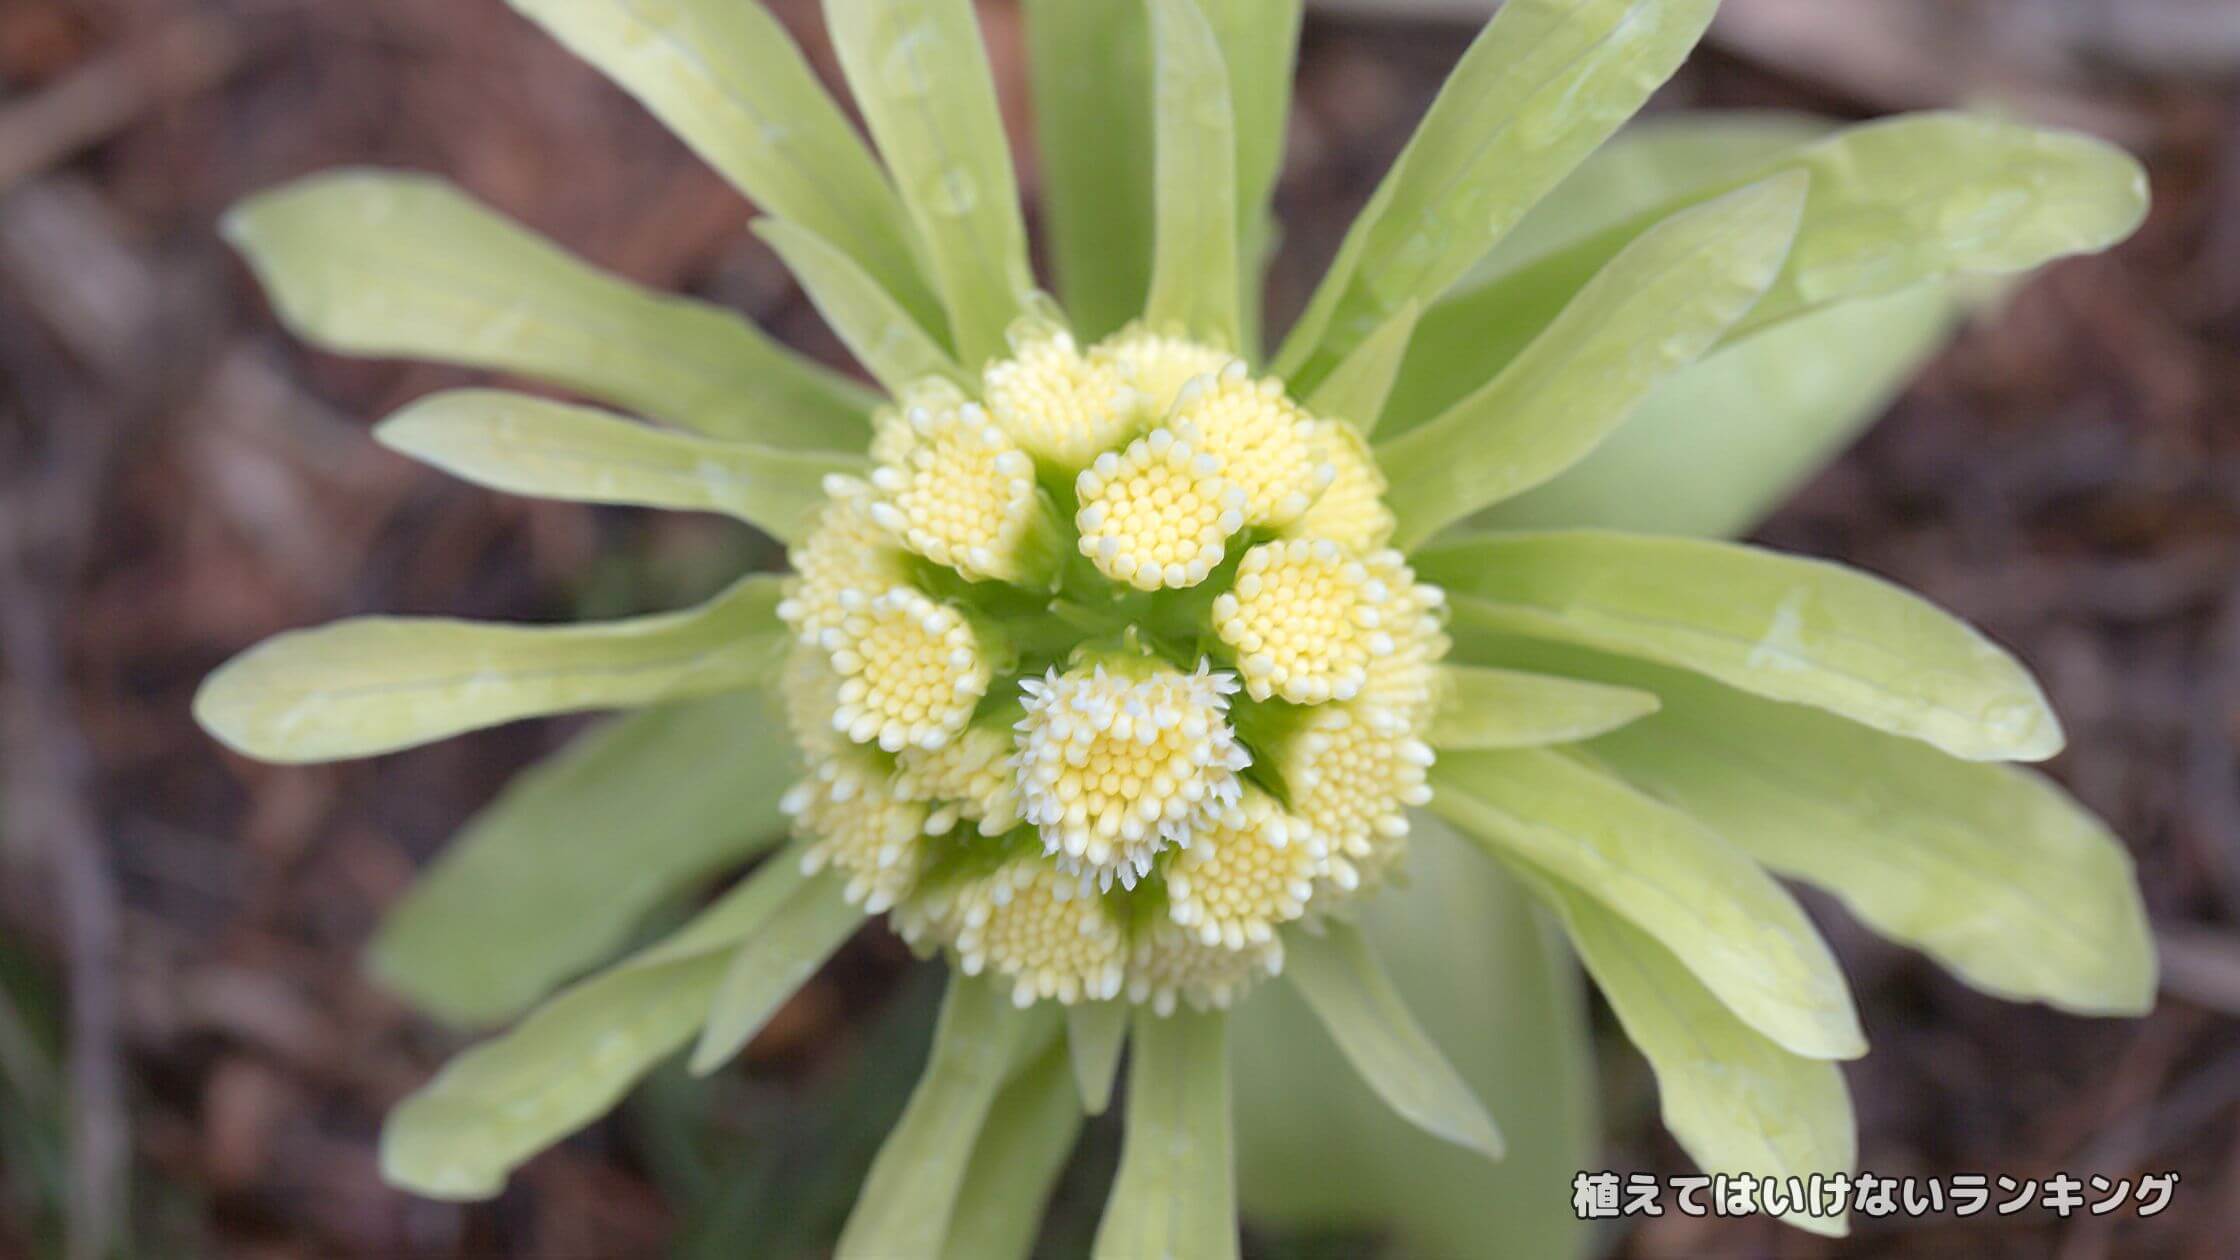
[[1157, 514], [1246, 875], [1305, 619], [963, 496], [911, 671], [1043, 931], [1264, 442], [1058, 405], [1169, 963], [1115, 767]]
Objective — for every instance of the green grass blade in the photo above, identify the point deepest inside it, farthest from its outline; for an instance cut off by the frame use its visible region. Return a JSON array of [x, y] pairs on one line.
[[493, 1107], [784, 1189], [884, 338], [35, 1098], [1545, 84], [557, 872], [1015, 1165], [1501, 708], [1736, 1102], [1347, 988], [376, 684], [1653, 310], [1783, 627], [1095, 1033], [385, 264], [533, 446], [920, 75], [1735, 928], [1176, 1193], [770, 965], [729, 81], [1194, 284], [1090, 62], [912, 1192]]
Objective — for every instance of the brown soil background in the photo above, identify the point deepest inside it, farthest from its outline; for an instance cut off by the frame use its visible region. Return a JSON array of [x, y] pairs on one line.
[[178, 480]]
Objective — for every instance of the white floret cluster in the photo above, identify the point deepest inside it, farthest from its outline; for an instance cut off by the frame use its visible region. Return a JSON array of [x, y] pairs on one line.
[[1105, 674]]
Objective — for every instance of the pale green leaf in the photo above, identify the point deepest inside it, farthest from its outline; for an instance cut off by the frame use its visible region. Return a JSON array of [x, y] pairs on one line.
[[885, 338], [1090, 64], [1545, 84], [1932, 195], [1719, 445], [768, 967], [1356, 390], [1894, 203], [921, 77], [505, 1100], [1259, 44], [1176, 1192], [534, 446], [1663, 301], [375, 263], [1313, 322], [1658, 162], [1347, 988], [1194, 285], [1727, 920], [1498, 993], [912, 1190], [1095, 1032], [1736, 1102], [376, 684], [1729, 438], [742, 912], [1784, 627], [556, 873], [728, 80], [1015, 1165], [1501, 708], [1991, 870]]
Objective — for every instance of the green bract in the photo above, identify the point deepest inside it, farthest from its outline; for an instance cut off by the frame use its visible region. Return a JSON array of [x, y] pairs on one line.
[[1119, 666]]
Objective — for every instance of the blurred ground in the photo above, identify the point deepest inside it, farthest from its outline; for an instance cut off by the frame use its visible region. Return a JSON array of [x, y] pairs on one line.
[[178, 480]]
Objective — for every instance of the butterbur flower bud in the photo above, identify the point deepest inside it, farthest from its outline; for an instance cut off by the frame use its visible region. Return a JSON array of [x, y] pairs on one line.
[[963, 496], [911, 671], [1262, 439], [1116, 764], [1158, 514], [1121, 662], [1305, 618]]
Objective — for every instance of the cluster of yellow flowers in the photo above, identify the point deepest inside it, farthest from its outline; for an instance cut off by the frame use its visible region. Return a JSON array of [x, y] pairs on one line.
[[1132, 618]]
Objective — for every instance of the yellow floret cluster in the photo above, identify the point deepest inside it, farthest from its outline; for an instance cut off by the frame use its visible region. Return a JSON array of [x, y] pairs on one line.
[[1104, 674]]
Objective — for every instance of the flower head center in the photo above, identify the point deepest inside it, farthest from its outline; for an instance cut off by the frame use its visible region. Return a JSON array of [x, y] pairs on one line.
[[1029, 727]]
